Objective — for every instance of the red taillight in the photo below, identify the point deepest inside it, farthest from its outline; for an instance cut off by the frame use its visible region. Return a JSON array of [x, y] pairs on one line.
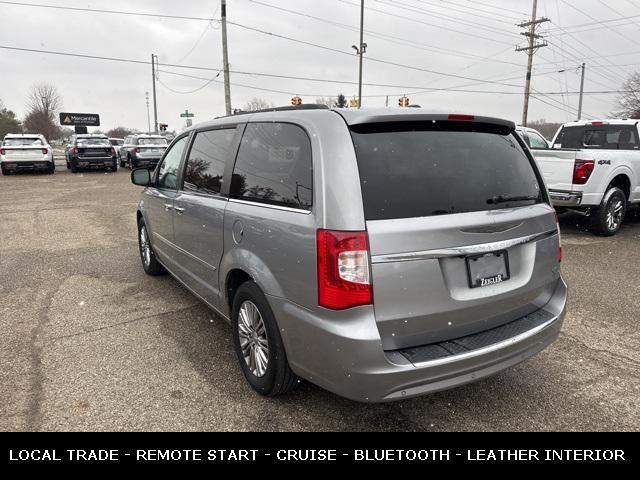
[[74, 150], [456, 116], [582, 171], [45, 151], [344, 280], [2, 151], [137, 150], [599, 123], [113, 151]]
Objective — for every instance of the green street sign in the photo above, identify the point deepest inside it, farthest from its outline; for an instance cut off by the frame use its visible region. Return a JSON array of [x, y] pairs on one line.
[[187, 114]]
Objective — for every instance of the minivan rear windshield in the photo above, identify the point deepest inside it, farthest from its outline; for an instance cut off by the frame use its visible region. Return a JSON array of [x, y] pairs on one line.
[[421, 169], [606, 137]]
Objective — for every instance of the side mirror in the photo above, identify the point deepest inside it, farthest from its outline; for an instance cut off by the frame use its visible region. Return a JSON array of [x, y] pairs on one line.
[[141, 176]]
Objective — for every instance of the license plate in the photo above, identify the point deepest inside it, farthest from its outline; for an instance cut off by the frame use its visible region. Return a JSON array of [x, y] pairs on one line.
[[488, 269]]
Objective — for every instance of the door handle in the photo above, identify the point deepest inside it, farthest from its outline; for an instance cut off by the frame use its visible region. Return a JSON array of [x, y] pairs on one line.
[[167, 207], [179, 210]]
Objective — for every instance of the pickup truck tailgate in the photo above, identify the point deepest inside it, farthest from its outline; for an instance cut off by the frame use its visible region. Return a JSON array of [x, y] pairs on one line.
[[556, 166]]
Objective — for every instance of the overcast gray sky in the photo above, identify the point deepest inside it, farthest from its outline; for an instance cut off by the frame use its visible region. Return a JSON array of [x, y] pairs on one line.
[[472, 42]]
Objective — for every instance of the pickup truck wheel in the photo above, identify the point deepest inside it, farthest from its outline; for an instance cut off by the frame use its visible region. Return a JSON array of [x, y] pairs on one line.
[[121, 161], [608, 218], [74, 168], [258, 344], [4, 171], [150, 263]]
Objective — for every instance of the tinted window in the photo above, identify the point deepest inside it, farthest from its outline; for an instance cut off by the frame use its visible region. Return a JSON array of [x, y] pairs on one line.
[[612, 137], [419, 170], [22, 142], [168, 169], [93, 141], [116, 143], [152, 141], [274, 166], [205, 166], [536, 141]]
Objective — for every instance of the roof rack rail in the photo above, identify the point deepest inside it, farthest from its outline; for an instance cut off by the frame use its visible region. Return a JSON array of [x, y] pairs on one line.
[[308, 106]]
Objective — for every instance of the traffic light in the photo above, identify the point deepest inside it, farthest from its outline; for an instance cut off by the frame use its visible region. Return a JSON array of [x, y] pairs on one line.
[[163, 127], [296, 100], [403, 101]]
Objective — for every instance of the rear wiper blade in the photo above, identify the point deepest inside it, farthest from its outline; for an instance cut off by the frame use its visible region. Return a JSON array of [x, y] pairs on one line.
[[511, 198]]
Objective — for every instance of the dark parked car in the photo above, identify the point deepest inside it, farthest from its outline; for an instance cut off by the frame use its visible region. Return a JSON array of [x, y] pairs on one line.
[[91, 151]]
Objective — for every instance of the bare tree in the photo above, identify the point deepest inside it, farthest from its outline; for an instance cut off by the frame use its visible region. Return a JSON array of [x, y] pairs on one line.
[[43, 104], [629, 100], [44, 98], [257, 104], [120, 132]]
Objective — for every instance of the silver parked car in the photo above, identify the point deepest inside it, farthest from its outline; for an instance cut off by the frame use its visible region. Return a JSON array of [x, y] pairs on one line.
[[380, 254], [142, 150]]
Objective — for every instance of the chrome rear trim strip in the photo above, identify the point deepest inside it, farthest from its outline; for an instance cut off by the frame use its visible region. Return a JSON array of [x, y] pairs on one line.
[[461, 251]]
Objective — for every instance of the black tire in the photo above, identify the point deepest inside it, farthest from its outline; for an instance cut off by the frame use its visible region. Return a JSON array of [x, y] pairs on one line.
[[74, 168], [51, 169], [607, 219], [132, 164], [122, 164], [4, 172], [150, 265], [278, 378]]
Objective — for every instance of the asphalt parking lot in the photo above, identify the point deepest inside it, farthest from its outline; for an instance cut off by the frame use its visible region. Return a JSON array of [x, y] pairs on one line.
[[89, 342]]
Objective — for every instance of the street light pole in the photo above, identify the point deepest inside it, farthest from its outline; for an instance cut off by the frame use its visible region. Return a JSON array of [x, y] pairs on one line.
[[581, 93], [155, 103], [225, 57]]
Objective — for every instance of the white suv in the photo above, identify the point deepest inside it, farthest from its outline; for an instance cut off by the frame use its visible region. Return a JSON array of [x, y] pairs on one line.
[[20, 152]]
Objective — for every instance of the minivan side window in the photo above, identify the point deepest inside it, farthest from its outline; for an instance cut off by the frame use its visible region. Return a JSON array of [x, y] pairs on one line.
[[168, 169], [274, 166], [205, 165]]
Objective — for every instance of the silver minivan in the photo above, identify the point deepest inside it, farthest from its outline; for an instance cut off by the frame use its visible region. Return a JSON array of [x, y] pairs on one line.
[[380, 254]]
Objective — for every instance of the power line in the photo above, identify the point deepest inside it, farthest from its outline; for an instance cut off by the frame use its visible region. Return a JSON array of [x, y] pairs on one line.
[[96, 10], [383, 12], [281, 76], [384, 36], [477, 13], [447, 18]]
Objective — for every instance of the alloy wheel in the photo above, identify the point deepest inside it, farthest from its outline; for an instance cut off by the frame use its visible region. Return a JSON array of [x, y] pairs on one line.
[[253, 338]]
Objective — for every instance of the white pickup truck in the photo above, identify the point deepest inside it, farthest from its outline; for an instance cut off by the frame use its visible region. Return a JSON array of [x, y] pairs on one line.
[[593, 168]]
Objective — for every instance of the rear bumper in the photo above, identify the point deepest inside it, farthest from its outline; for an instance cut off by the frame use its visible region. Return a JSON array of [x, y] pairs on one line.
[[94, 161], [565, 199], [345, 355], [26, 165]]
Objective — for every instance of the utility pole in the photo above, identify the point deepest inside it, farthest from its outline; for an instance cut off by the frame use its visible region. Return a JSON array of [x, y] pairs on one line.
[[225, 57], [581, 93], [530, 49], [146, 94], [155, 102], [360, 51]]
